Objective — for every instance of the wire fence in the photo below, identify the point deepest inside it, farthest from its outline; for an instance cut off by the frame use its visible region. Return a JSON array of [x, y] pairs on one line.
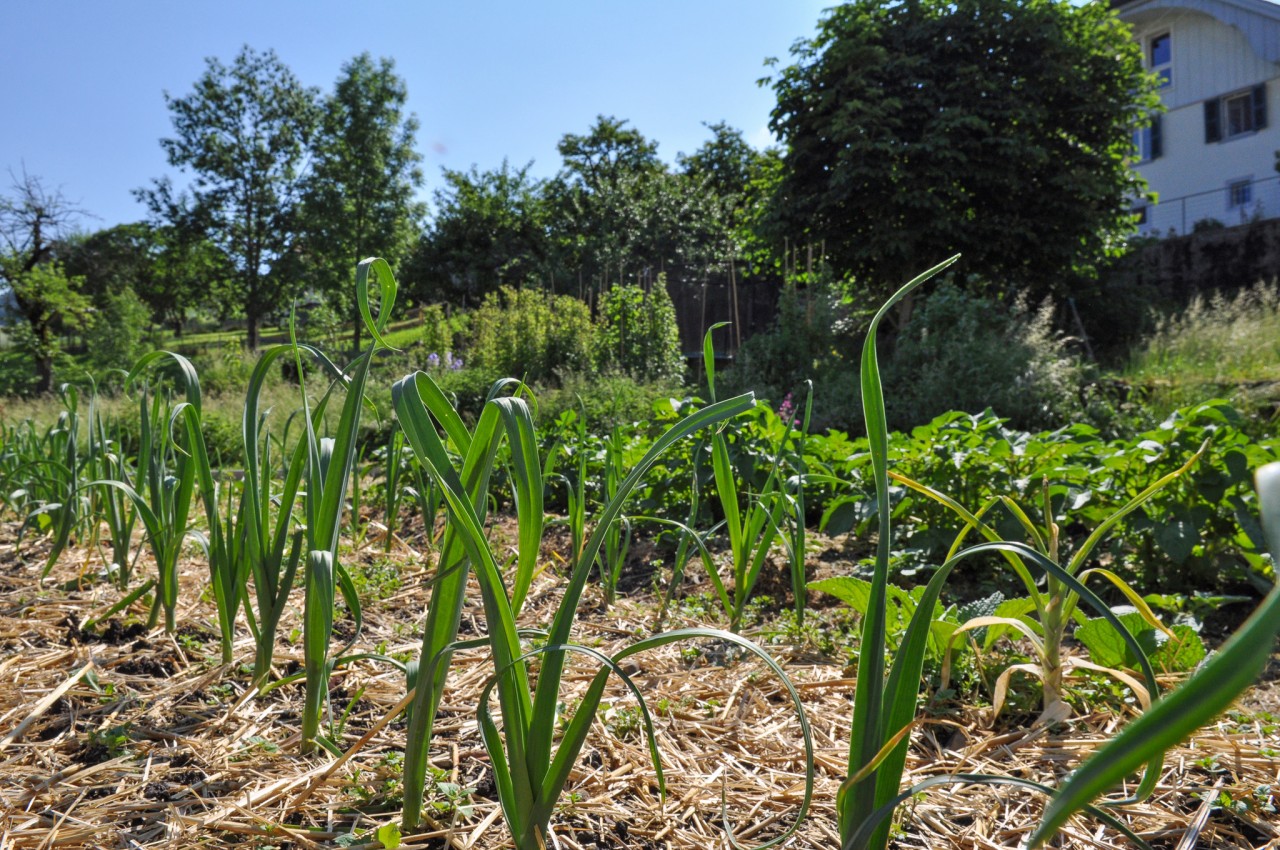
[[1236, 203]]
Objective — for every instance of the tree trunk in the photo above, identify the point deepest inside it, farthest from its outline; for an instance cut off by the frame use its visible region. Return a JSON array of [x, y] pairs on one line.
[[44, 374], [252, 338]]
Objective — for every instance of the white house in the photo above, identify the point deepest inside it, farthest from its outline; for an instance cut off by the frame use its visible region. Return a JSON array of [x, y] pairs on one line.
[[1212, 154]]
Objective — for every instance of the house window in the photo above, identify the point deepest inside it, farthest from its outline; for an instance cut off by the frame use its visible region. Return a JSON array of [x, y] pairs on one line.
[[1237, 114], [1149, 141], [1160, 58], [1239, 109], [1239, 193]]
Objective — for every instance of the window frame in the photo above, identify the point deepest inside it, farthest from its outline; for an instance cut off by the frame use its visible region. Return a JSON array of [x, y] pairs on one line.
[[1217, 114], [1163, 70], [1243, 185], [1148, 141]]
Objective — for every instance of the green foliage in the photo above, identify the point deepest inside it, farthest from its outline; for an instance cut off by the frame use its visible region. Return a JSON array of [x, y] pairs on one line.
[[1195, 703], [50, 304], [964, 352], [1000, 129], [752, 509], [529, 778], [41, 299], [490, 229], [118, 334], [637, 332], [1178, 652], [1195, 535], [900, 608], [606, 399], [810, 340], [618, 213], [531, 335]]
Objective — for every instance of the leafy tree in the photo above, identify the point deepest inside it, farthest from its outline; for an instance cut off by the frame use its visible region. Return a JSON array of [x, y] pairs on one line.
[[608, 152], [489, 231], [245, 132], [45, 301], [171, 271], [725, 163], [110, 259], [618, 212], [117, 336], [997, 128], [742, 180], [190, 272], [359, 198]]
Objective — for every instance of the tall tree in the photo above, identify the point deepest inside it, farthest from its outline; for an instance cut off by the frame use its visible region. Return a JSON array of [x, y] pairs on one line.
[[33, 219], [608, 152], [245, 132], [359, 198], [997, 128], [619, 212], [489, 229], [725, 163], [172, 271]]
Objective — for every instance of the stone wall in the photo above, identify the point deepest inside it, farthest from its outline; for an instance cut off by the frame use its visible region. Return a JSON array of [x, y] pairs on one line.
[[1222, 258]]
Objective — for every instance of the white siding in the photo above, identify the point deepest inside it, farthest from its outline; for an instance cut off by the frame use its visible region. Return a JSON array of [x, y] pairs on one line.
[[1209, 59]]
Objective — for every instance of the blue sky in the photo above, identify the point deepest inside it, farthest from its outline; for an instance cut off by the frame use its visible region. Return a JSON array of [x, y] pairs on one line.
[[82, 83]]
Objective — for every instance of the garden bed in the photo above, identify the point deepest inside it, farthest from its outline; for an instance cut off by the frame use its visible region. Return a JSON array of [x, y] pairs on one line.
[[123, 736]]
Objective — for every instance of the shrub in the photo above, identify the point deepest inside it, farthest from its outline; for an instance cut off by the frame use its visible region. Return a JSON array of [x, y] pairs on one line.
[[530, 334], [811, 339], [960, 351], [637, 333], [609, 399], [117, 335]]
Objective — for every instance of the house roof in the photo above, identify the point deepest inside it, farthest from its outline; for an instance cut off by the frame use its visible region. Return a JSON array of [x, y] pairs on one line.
[[1259, 20]]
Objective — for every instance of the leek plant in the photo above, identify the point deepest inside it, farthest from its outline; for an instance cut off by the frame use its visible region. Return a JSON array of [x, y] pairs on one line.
[[329, 465], [753, 532], [61, 462], [113, 506], [529, 778], [271, 551], [167, 475], [793, 494], [172, 459], [575, 487], [1205, 694], [427, 495], [617, 537], [1057, 605], [448, 589], [394, 468], [885, 702]]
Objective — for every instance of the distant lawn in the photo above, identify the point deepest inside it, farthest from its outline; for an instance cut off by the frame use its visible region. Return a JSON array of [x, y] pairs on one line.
[[399, 334]]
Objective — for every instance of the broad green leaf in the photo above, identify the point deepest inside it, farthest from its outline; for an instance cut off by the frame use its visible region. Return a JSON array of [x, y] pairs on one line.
[[1108, 648], [389, 835]]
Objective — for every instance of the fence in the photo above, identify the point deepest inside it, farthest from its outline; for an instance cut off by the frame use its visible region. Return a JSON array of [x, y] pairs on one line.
[[1234, 204]]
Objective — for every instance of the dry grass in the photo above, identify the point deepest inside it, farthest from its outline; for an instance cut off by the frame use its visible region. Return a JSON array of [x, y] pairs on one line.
[[136, 739]]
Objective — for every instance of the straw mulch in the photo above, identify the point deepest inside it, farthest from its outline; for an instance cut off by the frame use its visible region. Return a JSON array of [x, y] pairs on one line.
[[132, 738]]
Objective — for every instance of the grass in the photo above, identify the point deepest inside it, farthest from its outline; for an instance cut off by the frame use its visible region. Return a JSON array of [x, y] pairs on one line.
[[1218, 342]]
